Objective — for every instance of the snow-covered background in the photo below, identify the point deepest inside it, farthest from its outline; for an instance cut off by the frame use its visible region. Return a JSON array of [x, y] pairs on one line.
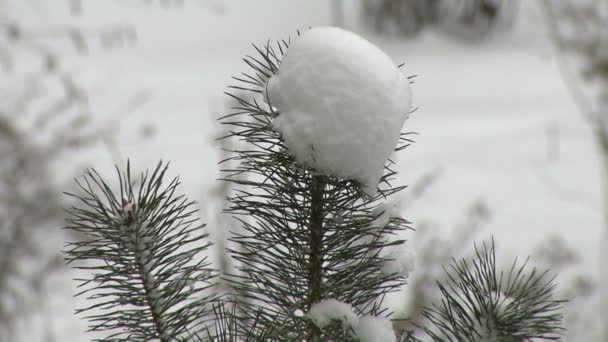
[[494, 117]]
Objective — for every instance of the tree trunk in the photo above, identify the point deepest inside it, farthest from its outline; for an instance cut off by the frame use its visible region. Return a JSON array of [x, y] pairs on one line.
[[315, 272]]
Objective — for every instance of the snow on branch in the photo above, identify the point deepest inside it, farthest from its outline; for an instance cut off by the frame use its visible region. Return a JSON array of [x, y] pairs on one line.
[[308, 231], [343, 103], [366, 328]]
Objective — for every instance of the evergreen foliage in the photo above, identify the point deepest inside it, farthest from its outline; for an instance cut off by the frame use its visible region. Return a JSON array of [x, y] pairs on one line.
[[144, 250], [480, 303], [305, 237]]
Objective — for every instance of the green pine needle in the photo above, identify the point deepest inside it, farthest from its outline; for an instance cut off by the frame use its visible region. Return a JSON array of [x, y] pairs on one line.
[[304, 236], [143, 252], [481, 303]]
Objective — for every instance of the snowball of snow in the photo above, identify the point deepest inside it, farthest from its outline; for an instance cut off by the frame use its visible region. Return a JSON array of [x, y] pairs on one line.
[[342, 104], [399, 261], [374, 329], [324, 312]]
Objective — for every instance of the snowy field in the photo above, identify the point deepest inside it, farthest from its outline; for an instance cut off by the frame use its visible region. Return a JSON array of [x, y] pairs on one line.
[[484, 114]]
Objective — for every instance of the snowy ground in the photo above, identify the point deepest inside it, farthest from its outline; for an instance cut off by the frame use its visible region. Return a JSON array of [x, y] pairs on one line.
[[483, 118]]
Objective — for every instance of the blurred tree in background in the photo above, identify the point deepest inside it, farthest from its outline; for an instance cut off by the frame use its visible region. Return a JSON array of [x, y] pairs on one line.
[[44, 117], [579, 31], [469, 20]]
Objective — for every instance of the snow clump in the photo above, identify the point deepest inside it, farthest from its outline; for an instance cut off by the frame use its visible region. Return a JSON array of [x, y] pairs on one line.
[[365, 328], [324, 312], [375, 329], [342, 103]]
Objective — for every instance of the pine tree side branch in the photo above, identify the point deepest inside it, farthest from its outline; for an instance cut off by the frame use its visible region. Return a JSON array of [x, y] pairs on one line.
[[147, 275], [481, 303]]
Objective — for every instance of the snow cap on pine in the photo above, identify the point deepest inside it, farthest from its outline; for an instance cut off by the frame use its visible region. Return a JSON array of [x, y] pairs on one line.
[[342, 103], [328, 310]]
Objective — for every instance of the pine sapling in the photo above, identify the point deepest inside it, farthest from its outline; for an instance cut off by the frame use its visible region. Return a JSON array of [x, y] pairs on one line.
[[318, 248]]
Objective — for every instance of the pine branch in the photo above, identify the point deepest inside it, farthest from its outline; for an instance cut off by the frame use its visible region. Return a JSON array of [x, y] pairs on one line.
[[147, 276], [480, 303]]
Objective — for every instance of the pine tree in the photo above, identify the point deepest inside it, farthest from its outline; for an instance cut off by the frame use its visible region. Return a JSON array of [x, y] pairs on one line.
[[314, 260]]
